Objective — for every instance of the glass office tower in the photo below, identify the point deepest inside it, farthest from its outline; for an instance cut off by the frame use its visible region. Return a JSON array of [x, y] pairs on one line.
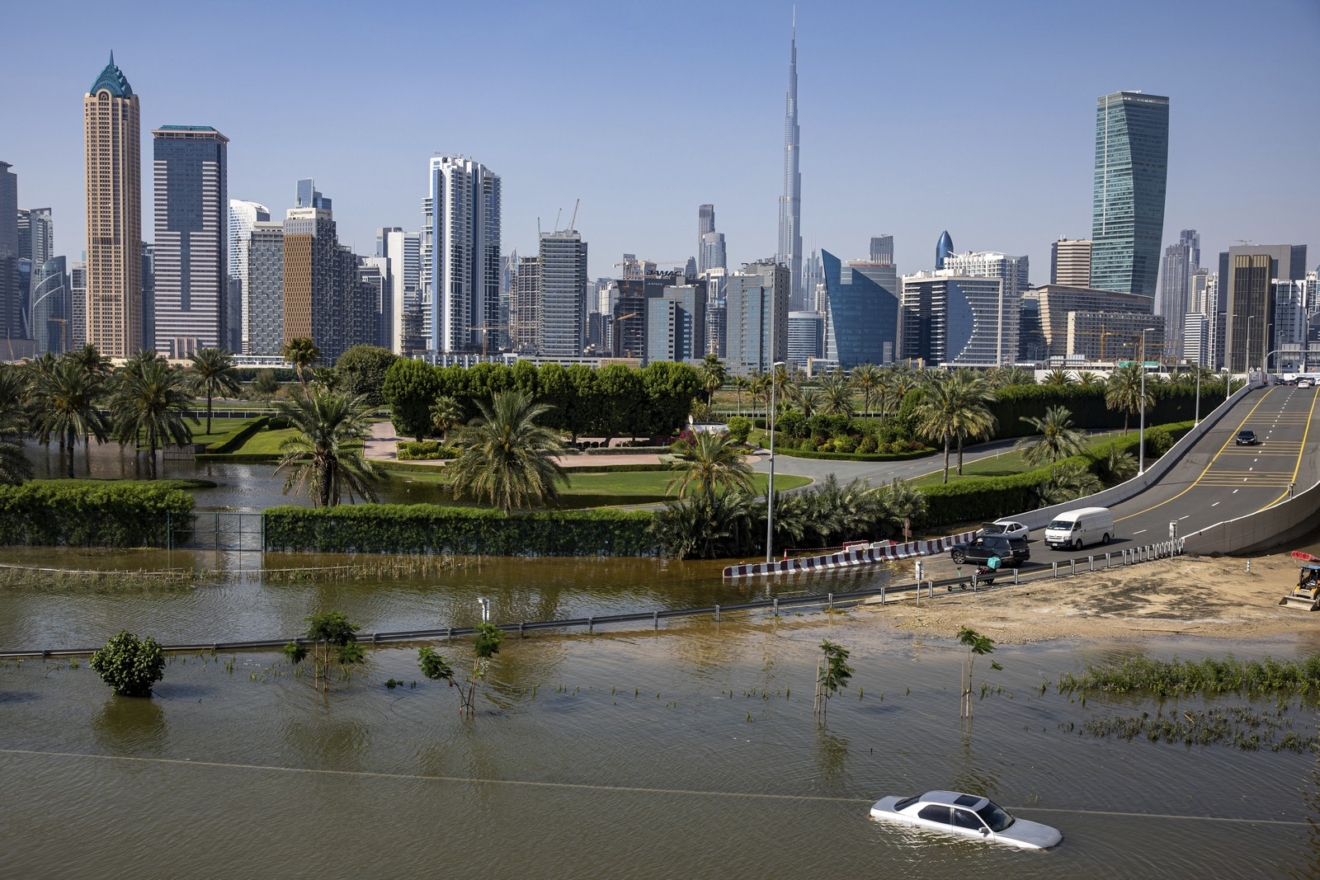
[[1131, 168]]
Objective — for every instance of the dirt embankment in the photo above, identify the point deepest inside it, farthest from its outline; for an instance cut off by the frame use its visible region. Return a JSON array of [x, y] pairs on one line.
[[1187, 595]]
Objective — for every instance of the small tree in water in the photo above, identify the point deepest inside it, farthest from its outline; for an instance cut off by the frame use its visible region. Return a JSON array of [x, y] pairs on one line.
[[976, 645], [435, 667], [334, 639], [832, 673], [130, 665]]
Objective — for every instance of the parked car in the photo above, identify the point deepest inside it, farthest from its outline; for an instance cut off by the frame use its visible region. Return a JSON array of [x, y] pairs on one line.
[[1305, 383], [1005, 527], [965, 815], [1012, 552], [1246, 438], [1077, 528]]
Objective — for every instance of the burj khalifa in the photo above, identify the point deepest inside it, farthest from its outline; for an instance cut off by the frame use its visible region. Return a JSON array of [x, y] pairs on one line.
[[790, 203]]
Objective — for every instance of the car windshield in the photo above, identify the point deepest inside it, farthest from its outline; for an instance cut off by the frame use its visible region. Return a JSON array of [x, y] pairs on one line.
[[1066, 525], [994, 816]]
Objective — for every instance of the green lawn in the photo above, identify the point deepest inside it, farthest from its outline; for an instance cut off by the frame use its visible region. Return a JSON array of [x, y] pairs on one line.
[[1004, 465], [266, 442]]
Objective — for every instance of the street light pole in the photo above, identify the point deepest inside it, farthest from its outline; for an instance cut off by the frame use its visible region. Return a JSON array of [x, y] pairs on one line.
[[1246, 364], [770, 488], [1199, 349], [1141, 441]]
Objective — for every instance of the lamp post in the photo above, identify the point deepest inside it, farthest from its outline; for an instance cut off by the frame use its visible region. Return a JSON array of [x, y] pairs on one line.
[[770, 488], [1246, 364], [1199, 349], [1141, 441]]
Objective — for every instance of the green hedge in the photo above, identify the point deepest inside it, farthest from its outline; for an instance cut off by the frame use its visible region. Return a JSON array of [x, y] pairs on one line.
[[980, 499], [856, 456], [94, 513], [426, 528], [426, 450], [238, 437]]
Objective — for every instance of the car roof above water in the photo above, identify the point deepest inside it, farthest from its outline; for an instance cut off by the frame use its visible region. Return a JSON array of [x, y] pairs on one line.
[[954, 799]]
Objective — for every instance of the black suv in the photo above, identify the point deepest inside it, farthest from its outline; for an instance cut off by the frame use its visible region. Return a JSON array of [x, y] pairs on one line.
[[1012, 552], [1246, 438]]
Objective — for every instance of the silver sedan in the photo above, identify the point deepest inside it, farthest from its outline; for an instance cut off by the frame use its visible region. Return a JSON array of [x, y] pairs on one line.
[[965, 815]]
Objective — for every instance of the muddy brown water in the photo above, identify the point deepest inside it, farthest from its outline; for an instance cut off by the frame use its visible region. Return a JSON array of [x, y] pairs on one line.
[[689, 752]]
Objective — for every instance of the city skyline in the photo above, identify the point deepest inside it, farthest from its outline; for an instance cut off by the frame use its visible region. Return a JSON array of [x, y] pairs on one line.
[[1213, 187]]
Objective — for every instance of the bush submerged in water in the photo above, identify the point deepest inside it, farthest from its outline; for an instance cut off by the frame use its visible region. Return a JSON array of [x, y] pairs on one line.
[[130, 665]]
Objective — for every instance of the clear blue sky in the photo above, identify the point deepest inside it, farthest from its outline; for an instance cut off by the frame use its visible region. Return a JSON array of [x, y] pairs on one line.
[[916, 117]]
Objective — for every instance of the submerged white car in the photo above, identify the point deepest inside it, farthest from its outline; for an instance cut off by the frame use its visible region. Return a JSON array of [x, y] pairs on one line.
[[966, 815]]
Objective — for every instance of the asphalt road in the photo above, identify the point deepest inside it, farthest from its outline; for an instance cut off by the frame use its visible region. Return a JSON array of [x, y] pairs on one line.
[[1218, 480]]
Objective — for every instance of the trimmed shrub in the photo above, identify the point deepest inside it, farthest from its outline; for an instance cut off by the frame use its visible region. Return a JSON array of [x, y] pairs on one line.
[[130, 665], [808, 449], [739, 429], [94, 513], [426, 450], [427, 528], [1158, 441]]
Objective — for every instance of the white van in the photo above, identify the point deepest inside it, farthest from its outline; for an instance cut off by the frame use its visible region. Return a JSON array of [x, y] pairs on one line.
[[1077, 528]]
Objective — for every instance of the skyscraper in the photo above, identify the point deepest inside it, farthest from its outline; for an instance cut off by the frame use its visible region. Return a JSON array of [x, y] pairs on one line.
[[50, 306], [1254, 274], [1070, 262], [36, 235], [403, 251], [705, 221], [1180, 261], [1131, 167], [882, 250], [264, 287], [461, 256], [242, 217], [943, 248], [1013, 271], [790, 203], [10, 297], [712, 254], [191, 184], [861, 315], [957, 320], [322, 290], [525, 307], [563, 267], [757, 317], [114, 214]]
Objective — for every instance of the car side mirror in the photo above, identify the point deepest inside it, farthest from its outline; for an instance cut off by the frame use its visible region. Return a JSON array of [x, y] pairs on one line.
[[985, 830]]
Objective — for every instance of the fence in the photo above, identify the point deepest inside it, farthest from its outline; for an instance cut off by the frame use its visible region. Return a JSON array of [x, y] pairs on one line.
[[829, 601]]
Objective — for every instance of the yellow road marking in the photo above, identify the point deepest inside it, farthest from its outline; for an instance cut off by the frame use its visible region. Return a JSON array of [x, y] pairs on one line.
[[1192, 485], [1300, 453]]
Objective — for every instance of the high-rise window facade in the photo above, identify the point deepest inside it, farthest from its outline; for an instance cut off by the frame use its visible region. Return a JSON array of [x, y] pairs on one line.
[[1131, 168], [563, 267], [191, 289], [861, 313], [265, 288], [957, 320], [243, 216], [112, 126], [1070, 262], [1180, 261], [460, 251]]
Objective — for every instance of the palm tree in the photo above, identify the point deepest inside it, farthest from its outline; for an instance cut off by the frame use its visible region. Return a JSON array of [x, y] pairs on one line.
[[1006, 376], [978, 422], [759, 385], [1054, 438], [150, 402], [446, 412], [301, 352], [1086, 379], [507, 457], [1123, 392], [213, 373], [904, 505], [867, 378], [1069, 482], [709, 462], [953, 408], [65, 403], [809, 401], [324, 457], [90, 359], [14, 466], [1058, 376], [1118, 466], [838, 395], [713, 375], [740, 384]]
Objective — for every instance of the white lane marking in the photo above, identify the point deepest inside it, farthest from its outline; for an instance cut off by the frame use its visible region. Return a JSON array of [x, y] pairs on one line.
[[1216, 504], [1235, 491], [1138, 533], [1184, 517]]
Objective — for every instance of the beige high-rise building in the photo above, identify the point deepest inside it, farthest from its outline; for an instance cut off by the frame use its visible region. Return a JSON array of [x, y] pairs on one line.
[[1070, 262], [114, 215]]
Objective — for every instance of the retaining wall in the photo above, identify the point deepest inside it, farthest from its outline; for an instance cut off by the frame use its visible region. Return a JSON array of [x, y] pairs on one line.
[[1262, 530], [873, 554]]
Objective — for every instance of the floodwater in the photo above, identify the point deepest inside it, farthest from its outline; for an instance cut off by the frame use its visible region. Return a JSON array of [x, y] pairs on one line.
[[691, 752]]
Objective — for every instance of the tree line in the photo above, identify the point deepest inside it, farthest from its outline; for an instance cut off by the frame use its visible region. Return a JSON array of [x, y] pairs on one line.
[[612, 401]]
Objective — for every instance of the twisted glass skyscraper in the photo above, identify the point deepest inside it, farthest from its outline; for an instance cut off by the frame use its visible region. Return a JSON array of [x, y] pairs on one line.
[[1131, 167]]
